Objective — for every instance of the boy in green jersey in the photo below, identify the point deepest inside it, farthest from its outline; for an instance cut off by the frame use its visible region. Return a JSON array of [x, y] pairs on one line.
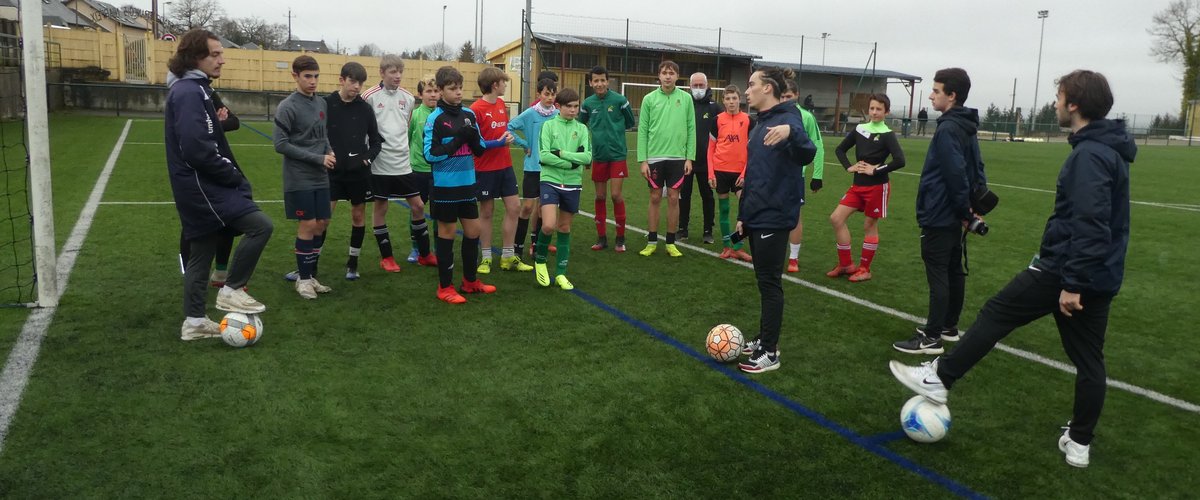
[[666, 146], [608, 115], [429, 94], [813, 129], [564, 145]]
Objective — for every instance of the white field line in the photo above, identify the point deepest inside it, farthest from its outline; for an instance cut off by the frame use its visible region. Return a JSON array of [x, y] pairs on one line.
[[1021, 353], [24, 352], [167, 202]]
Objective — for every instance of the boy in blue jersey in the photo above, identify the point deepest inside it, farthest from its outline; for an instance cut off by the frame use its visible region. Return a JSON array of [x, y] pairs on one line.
[[529, 123]]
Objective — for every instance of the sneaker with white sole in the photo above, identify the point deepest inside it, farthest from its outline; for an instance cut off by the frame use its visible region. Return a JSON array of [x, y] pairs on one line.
[[319, 287], [306, 289], [237, 300], [922, 379], [751, 346], [413, 256], [1077, 454], [760, 361], [217, 278], [292, 276], [351, 273], [205, 329], [920, 344], [947, 335]]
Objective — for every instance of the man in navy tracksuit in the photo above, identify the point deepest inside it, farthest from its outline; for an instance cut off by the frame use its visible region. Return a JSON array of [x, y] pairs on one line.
[[773, 192], [211, 194], [1077, 271]]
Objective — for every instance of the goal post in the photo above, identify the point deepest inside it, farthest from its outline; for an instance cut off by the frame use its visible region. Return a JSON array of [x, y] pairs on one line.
[[37, 125]]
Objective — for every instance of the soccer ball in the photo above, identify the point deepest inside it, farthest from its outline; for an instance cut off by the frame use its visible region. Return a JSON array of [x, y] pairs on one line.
[[925, 421], [241, 330], [724, 343]]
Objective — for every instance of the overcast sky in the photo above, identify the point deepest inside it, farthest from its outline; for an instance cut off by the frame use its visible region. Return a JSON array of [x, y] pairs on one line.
[[994, 41]]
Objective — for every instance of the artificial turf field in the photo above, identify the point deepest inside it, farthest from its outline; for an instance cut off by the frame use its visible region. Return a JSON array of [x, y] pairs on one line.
[[380, 390]]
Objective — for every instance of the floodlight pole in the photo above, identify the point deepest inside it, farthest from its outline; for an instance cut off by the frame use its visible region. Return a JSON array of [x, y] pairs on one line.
[[824, 37], [38, 134], [1042, 14], [526, 53]]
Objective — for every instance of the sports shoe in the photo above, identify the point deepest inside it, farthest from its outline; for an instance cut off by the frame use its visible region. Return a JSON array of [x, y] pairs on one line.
[[389, 264], [543, 274], [922, 380], [306, 288], [682, 235], [861, 275], [217, 278], [477, 287], [947, 335], [207, 329], [485, 266], [514, 264], [292, 276], [427, 260], [351, 273], [673, 251], [1077, 454], [413, 256], [564, 283], [319, 287], [601, 243], [450, 295], [793, 266], [237, 300], [708, 238], [649, 250], [620, 244], [726, 253], [920, 344], [760, 361], [742, 256], [751, 346], [841, 271]]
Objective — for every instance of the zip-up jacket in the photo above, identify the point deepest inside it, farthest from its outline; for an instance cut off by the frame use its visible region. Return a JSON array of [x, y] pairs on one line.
[[773, 189], [302, 138], [608, 118], [813, 129], [209, 188], [452, 140], [529, 123], [944, 194], [393, 109], [565, 146], [353, 135], [1088, 234], [666, 126], [706, 122], [416, 134], [873, 143]]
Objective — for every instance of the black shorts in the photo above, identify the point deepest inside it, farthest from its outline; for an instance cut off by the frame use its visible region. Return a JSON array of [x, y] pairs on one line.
[[667, 173], [531, 185], [424, 182], [394, 187], [356, 190], [495, 184], [307, 205], [451, 211], [566, 198], [727, 182]]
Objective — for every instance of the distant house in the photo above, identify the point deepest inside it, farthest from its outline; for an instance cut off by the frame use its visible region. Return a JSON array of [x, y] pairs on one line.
[[307, 46], [54, 14], [108, 17], [251, 46]]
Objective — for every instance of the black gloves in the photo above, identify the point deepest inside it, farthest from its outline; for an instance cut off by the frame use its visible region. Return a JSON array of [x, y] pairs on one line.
[[816, 185]]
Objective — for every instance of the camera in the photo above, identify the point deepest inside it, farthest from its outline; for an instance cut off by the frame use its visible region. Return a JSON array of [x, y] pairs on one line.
[[978, 226]]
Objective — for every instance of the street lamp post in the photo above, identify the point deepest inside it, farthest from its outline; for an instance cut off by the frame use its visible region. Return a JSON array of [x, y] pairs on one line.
[[1033, 111], [824, 36], [443, 27]]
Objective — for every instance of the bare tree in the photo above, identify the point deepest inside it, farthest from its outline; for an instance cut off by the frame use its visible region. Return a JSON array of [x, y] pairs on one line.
[[266, 35], [438, 52], [192, 14], [481, 54], [370, 50], [1176, 31]]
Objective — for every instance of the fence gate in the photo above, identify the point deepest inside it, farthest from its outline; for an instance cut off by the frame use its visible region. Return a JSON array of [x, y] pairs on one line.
[[136, 60]]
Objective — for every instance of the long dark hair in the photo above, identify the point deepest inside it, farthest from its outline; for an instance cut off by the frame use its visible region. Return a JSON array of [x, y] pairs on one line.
[[193, 47]]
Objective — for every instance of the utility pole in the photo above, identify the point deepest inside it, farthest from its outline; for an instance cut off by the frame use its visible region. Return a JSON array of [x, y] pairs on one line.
[[1042, 14], [1012, 108], [290, 16], [526, 62]]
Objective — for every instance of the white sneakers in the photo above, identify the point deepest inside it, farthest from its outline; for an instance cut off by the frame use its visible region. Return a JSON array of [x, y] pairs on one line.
[[199, 328], [237, 300], [1077, 454], [309, 288], [921, 379]]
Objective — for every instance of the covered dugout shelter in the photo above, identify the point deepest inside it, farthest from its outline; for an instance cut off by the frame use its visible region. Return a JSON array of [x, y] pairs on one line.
[[838, 91]]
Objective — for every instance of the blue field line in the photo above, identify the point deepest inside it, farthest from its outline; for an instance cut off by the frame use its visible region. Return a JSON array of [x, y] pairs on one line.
[[867, 443], [259, 132], [886, 437]]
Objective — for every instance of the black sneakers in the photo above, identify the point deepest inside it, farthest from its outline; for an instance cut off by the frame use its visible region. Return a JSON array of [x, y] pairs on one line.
[[920, 344]]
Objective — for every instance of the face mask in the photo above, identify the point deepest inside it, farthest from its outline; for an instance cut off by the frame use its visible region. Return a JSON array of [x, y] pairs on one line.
[[699, 93]]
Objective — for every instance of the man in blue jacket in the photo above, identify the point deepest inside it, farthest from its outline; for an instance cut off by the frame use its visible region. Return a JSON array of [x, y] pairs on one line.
[[770, 204], [211, 193], [1077, 271]]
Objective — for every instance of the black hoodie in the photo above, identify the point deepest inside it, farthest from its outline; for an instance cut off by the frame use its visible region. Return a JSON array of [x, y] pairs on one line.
[[953, 167], [1087, 235], [706, 123], [353, 135]]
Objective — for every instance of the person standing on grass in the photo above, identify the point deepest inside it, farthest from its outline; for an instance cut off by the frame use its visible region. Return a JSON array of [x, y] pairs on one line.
[[608, 115], [451, 139], [529, 123], [494, 174], [302, 138], [726, 159], [211, 193], [666, 146], [706, 117], [1077, 271], [422, 173], [565, 145], [220, 272], [770, 206], [873, 144], [813, 129], [354, 136], [922, 119]]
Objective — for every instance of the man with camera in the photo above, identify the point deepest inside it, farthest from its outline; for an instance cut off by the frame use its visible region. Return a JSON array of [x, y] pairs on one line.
[[952, 172]]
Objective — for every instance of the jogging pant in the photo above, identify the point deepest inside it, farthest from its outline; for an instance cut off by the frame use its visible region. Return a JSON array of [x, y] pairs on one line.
[[1029, 296], [256, 229], [699, 175], [943, 250], [769, 247]]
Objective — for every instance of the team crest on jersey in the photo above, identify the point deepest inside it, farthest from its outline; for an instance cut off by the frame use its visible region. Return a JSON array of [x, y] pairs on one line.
[[610, 108], [574, 135], [705, 116]]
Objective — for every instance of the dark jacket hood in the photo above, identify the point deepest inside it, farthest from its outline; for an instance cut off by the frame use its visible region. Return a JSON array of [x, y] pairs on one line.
[[1110, 133], [964, 117]]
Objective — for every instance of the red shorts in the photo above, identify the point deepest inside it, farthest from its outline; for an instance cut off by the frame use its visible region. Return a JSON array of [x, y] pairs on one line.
[[605, 170], [872, 201]]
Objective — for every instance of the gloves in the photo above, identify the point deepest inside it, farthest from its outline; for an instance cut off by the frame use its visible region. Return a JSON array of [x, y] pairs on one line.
[[816, 185], [467, 133]]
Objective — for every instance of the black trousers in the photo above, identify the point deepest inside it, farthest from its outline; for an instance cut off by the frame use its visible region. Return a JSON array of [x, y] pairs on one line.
[[943, 250], [700, 176], [1029, 296], [769, 247], [256, 228]]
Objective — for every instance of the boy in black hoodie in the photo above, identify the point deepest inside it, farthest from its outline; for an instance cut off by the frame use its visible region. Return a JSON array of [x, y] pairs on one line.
[[354, 137], [1077, 271]]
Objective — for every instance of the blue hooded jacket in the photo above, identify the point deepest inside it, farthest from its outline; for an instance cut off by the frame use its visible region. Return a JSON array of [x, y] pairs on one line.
[[1088, 234], [953, 168], [774, 181], [209, 187]]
